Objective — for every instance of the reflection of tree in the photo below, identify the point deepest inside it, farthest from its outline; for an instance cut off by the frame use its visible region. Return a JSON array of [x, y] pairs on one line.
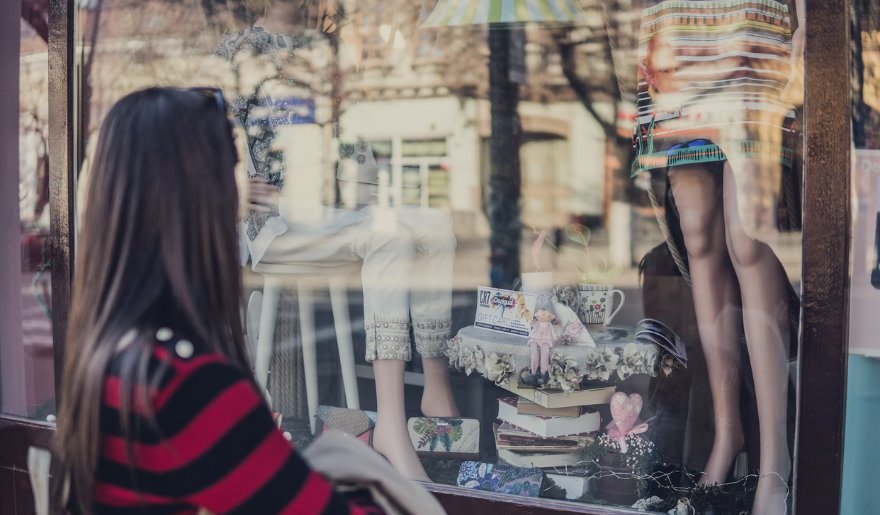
[[504, 177], [33, 120], [596, 66], [270, 69]]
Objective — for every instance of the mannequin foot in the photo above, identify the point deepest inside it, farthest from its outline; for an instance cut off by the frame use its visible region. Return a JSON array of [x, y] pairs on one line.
[[771, 496], [437, 398], [394, 444], [439, 403], [724, 451]]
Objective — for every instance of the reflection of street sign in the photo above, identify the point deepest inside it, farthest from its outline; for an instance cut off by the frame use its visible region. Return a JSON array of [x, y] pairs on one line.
[[284, 111]]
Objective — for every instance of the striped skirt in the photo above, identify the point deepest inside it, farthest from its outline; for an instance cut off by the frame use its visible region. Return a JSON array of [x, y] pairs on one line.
[[711, 74]]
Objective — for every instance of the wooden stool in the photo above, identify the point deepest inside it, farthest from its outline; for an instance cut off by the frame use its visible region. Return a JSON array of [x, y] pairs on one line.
[[275, 276]]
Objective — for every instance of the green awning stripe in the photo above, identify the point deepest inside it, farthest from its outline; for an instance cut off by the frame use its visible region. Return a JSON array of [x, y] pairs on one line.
[[568, 8], [558, 13], [450, 12], [543, 8], [470, 13], [508, 11], [521, 11], [435, 19], [458, 14], [475, 12], [494, 11], [482, 12]]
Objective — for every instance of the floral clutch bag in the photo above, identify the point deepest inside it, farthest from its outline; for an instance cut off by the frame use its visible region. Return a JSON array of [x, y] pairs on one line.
[[447, 437], [504, 479]]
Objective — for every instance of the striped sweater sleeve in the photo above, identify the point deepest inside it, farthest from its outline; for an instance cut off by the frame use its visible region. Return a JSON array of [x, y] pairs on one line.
[[215, 446]]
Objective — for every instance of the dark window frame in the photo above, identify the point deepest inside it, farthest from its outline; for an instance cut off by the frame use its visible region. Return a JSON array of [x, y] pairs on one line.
[[823, 339]]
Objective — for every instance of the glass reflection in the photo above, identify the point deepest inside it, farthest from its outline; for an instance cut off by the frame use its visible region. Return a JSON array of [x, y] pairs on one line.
[[401, 155], [26, 352]]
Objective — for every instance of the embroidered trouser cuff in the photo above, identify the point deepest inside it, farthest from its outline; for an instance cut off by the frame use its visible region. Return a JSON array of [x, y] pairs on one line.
[[390, 338], [431, 336]]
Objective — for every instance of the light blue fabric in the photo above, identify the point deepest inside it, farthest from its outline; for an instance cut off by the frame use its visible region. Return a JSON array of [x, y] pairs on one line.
[[861, 452]]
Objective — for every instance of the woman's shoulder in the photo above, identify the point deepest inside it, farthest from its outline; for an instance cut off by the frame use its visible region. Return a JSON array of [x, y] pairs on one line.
[[171, 361]]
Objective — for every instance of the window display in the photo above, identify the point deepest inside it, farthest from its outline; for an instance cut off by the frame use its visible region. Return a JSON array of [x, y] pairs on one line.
[[713, 115], [547, 248]]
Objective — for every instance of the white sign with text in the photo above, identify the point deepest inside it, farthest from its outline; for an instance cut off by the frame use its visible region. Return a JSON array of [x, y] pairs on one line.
[[505, 311]]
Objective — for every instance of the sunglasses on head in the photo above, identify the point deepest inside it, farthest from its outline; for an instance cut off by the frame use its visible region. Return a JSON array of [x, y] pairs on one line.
[[213, 94]]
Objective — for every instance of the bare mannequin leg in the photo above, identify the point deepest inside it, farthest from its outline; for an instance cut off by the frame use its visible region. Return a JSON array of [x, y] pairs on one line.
[[716, 300], [765, 317], [385, 275], [437, 399], [390, 436], [431, 304]]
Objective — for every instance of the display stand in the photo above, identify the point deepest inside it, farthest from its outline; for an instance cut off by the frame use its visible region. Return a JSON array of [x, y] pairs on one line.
[[616, 356]]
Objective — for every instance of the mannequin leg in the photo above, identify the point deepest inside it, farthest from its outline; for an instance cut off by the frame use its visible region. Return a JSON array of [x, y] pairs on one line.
[[431, 281], [437, 399], [697, 195], [765, 316], [390, 436], [388, 259]]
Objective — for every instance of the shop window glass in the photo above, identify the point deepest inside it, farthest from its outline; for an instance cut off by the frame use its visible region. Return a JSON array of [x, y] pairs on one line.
[[27, 386], [438, 185], [618, 183], [863, 373], [423, 148]]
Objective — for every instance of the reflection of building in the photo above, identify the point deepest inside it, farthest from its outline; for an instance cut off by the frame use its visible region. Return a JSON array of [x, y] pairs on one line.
[[33, 128], [439, 145], [428, 87], [419, 96]]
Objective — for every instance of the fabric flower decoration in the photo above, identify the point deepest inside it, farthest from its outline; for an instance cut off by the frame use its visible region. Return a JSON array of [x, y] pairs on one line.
[[600, 363], [668, 364], [650, 360], [648, 503], [572, 332], [632, 362], [499, 368], [452, 352], [472, 360], [564, 373], [567, 295]]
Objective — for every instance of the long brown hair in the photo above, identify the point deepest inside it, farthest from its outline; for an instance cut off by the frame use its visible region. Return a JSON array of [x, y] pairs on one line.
[[158, 246]]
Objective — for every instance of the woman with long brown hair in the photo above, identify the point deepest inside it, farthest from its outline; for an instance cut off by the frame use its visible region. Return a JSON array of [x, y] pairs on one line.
[[160, 413]]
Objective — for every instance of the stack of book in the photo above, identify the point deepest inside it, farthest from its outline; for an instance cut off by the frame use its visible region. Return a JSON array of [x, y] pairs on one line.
[[541, 428]]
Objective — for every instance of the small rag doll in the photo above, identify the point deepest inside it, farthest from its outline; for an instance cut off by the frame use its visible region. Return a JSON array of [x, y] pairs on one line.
[[540, 343]]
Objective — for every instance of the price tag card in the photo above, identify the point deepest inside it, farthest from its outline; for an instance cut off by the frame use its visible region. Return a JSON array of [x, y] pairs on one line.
[[505, 311]]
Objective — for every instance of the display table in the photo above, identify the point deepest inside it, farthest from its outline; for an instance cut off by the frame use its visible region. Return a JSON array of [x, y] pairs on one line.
[[616, 355]]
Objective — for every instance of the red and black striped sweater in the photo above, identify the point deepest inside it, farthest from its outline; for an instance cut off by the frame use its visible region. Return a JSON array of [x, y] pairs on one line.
[[214, 446]]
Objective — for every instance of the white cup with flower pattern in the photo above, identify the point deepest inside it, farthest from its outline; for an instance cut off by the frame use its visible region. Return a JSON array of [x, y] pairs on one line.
[[595, 303]]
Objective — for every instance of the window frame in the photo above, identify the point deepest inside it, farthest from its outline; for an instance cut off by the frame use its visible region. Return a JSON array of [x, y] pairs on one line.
[[825, 286]]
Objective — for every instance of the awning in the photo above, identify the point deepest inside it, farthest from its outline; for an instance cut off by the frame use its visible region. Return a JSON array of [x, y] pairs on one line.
[[451, 13]]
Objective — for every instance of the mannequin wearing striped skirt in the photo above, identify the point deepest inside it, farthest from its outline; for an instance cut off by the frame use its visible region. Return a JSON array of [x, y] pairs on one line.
[[715, 117]]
